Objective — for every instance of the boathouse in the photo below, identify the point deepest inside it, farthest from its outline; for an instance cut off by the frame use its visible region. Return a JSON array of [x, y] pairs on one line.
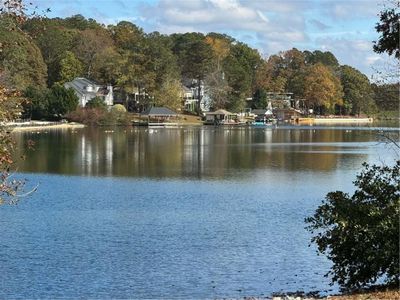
[[220, 117], [158, 115]]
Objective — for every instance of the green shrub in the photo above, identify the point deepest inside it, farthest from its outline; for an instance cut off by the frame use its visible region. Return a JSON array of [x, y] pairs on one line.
[[96, 102], [360, 233]]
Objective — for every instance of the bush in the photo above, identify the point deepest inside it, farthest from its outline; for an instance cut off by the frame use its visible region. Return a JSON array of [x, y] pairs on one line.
[[87, 116], [360, 234], [119, 108], [96, 102], [98, 116]]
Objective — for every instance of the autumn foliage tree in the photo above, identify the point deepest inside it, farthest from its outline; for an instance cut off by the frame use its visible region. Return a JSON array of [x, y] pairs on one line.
[[322, 89], [12, 16]]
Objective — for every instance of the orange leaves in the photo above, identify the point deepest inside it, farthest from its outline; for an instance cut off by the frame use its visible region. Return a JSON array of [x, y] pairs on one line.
[[322, 87]]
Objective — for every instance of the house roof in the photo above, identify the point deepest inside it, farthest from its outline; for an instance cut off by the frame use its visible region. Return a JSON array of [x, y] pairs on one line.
[[159, 111], [260, 112], [79, 84], [186, 89], [220, 112]]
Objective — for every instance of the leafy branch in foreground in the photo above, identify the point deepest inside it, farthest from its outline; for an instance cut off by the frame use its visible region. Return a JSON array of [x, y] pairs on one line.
[[11, 190], [360, 233], [388, 27]]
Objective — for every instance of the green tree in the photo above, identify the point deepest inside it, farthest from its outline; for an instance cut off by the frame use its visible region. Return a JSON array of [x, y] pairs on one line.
[[107, 66], [386, 96], [54, 41], [61, 101], [36, 106], [169, 95], [89, 44], [260, 99], [195, 56], [240, 70], [127, 36], [135, 76], [80, 22], [325, 58], [70, 67], [360, 233], [161, 67], [358, 94], [134, 66], [21, 61], [294, 63], [388, 27]]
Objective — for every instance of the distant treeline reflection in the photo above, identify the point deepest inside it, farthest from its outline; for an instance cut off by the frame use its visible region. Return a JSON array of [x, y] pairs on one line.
[[190, 152]]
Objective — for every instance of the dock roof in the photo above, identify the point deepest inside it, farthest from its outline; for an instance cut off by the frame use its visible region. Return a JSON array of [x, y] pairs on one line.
[[159, 111], [220, 112]]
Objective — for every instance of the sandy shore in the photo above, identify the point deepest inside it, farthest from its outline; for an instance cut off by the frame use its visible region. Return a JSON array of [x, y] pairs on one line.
[[35, 126]]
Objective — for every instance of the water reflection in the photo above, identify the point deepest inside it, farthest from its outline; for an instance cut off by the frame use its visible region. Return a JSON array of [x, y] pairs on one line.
[[193, 152]]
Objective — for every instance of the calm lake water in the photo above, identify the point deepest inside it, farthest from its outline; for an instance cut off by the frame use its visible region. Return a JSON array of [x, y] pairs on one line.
[[175, 213]]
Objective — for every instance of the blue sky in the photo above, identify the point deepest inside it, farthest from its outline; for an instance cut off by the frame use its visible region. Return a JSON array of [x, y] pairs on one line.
[[346, 28]]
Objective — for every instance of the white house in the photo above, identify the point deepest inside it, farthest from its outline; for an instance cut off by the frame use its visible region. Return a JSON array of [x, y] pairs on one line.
[[190, 95], [87, 90]]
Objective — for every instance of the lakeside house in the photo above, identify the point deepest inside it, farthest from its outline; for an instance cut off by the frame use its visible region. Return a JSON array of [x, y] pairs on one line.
[[191, 98], [87, 90]]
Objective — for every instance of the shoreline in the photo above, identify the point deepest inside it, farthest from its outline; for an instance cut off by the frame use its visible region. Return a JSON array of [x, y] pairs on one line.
[[333, 120], [390, 294], [15, 127]]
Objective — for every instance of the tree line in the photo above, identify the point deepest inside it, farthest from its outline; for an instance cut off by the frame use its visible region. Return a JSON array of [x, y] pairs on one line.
[[45, 53]]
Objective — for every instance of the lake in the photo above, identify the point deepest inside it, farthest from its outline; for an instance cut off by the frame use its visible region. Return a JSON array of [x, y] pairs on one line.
[[194, 212]]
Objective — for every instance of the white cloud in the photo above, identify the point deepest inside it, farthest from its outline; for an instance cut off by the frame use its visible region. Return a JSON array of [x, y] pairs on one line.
[[225, 16], [356, 53], [350, 9], [372, 59], [273, 6]]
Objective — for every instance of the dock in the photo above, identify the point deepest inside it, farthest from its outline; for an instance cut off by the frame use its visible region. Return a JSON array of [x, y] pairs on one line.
[[332, 121]]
